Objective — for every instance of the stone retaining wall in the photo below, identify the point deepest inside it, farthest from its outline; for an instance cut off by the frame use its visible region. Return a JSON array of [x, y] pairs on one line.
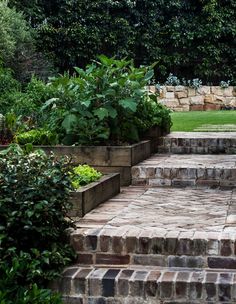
[[181, 98]]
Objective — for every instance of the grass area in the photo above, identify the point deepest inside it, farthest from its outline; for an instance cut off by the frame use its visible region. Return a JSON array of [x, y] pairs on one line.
[[188, 121]]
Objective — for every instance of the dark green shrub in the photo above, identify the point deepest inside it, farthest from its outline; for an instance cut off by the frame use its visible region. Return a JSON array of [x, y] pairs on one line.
[[192, 39], [34, 192]]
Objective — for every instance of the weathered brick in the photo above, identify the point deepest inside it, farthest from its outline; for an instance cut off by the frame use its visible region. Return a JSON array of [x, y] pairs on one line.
[[157, 245], [97, 300], [171, 240], [222, 262], [151, 284], [148, 259], [122, 283], [112, 259], [85, 258], [226, 247], [195, 285], [185, 244], [144, 242], [136, 283], [65, 283], [108, 282], [225, 286], [181, 285], [210, 286], [95, 282], [79, 282], [167, 284], [91, 241]]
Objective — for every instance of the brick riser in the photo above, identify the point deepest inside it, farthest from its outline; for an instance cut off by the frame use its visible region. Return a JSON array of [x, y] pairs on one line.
[[143, 285], [201, 177], [176, 251], [175, 145]]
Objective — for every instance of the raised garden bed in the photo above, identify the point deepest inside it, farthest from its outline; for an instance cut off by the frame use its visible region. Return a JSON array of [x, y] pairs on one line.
[[90, 196], [106, 159]]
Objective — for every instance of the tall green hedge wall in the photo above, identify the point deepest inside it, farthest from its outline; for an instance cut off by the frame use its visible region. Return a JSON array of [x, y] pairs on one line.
[[190, 39]]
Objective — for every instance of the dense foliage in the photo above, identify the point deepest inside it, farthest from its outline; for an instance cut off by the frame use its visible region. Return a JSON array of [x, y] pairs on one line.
[[34, 192], [188, 38], [105, 103]]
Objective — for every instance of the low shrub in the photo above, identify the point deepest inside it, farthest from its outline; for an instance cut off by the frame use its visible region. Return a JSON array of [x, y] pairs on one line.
[[34, 192], [37, 137], [83, 175]]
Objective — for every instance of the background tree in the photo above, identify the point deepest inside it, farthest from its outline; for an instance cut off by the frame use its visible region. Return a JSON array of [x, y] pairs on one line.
[[188, 38]]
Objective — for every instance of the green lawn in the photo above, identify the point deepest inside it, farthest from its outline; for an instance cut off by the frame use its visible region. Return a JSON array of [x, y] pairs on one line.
[[188, 121]]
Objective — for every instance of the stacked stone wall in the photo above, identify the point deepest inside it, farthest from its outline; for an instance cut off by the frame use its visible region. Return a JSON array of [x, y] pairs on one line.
[[205, 98]]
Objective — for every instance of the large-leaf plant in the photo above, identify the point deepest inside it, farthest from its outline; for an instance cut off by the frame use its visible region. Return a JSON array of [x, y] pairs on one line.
[[98, 104]]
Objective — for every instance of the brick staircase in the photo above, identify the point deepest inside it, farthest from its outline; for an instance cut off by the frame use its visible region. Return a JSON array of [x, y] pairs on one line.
[[159, 241]]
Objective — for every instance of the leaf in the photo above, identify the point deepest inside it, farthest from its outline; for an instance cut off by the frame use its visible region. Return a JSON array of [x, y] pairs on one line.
[[149, 75], [112, 112], [49, 102], [69, 121], [128, 103], [101, 113], [86, 103]]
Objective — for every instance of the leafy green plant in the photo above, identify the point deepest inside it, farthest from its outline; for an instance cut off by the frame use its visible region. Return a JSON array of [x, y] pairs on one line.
[[83, 175], [37, 137], [98, 105], [34, 200]]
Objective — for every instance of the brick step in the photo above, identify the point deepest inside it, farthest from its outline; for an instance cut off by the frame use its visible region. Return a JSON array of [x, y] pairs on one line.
[[198, 143], [168, 227], [175, 249], [186, 170], [146, 285]]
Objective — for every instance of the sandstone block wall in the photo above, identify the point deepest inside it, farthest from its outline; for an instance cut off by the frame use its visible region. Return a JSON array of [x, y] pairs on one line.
[[181, 98]]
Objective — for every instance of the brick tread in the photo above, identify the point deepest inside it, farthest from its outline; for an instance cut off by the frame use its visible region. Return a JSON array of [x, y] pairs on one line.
[[149, 285], [198, 143], [184, 170]]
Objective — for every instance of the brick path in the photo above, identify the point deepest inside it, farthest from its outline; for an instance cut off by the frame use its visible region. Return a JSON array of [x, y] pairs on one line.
[[159, 243]]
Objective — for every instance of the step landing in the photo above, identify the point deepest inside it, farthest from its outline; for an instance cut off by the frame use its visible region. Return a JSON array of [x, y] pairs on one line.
[[198, 143], [186, 170], [165, 227], [80, 285]]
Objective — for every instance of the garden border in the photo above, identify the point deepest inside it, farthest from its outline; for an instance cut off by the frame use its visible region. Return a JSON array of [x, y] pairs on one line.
[[90, 196]]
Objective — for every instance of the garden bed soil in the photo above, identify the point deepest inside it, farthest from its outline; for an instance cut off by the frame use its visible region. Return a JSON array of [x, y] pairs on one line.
[[106, 159], [90, 196]]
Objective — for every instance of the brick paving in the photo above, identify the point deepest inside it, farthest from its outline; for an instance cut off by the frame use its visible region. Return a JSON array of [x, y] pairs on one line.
[[162, 242], [168, 209]]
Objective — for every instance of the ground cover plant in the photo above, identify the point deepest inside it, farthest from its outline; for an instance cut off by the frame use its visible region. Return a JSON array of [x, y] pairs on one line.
[[83, 175], [34, 192], [188, 121]]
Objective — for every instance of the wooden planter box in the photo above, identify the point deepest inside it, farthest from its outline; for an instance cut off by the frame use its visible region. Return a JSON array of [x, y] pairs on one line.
[[107, 159], [153, 135], [89, 197]]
